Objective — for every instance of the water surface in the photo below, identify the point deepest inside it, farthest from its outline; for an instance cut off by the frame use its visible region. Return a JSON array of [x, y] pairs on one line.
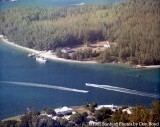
[[16, 66], [4, 4]]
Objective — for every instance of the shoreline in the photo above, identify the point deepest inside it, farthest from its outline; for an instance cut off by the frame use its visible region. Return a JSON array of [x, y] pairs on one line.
[[55, 58], [75, 108], [44, 53], [152, 66]]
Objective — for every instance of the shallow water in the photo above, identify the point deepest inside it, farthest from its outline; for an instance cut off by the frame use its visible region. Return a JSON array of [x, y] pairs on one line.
[[50, 3]]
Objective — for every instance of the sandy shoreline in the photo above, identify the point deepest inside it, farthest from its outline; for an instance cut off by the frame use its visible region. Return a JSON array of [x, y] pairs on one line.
[[44, 53], [152, 66], [55, 58]]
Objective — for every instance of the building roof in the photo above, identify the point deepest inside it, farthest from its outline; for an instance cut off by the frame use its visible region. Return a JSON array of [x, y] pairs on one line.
[[106, 106], [107, 44], [112, 107], [63, 109]]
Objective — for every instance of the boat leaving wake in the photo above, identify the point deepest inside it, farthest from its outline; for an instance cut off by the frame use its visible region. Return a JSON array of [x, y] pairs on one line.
[[45, 86], [124, 90]]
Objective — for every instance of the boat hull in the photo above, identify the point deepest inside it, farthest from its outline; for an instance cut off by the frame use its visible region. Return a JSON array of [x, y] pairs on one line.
[[42, 60]]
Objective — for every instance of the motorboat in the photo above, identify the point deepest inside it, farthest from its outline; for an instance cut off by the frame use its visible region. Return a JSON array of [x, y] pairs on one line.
[[41, 59]]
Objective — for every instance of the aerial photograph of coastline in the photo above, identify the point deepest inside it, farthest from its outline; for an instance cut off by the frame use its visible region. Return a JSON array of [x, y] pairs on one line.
[[79, 63]]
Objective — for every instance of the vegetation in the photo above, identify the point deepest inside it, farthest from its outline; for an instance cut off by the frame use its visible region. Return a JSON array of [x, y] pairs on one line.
[[86, 54], [77, 118], [133, 25], [50, 112], [105, 115], [102, 114], [91, 106]]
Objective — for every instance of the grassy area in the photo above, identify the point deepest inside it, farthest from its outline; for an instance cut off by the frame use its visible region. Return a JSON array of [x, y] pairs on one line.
[[81, 109]]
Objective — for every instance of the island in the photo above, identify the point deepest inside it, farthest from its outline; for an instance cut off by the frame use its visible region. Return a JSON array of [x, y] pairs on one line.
[[125, 32]]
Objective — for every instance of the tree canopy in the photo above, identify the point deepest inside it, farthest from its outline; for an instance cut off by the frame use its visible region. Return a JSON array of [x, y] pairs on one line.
[[133, 25], [138, 114]]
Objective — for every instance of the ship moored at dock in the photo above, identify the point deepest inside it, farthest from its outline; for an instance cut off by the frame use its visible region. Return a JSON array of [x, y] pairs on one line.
[[41, 59]]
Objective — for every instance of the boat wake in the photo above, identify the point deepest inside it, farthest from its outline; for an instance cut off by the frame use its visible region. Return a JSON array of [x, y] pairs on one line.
[[45, 86], [80, 4], [123, 90]]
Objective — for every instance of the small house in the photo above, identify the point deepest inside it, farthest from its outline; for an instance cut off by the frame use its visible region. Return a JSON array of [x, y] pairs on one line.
[[107, 44], [63, 111], [112, 107], [67, 50]]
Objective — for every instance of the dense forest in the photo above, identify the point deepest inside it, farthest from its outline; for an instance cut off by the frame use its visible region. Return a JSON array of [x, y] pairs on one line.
[[140, 115], [133, 25]]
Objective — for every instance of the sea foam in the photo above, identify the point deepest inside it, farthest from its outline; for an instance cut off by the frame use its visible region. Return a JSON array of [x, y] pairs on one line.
[[124, 90], [44, 86]]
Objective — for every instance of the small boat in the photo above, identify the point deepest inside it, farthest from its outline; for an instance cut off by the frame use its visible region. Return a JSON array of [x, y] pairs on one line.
[[89, 84], [138, 67], [41, 59], [31, 55]]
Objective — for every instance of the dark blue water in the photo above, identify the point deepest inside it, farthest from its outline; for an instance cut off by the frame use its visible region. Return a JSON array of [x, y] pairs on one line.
[[16, 66], [4, 4]]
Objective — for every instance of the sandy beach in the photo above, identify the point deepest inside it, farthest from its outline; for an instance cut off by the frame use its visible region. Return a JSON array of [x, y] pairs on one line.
[[44, 54], [152, 66], [53, 57]]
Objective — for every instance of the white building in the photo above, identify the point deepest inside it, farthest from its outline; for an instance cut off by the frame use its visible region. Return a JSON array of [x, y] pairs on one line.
[[112, 107], [107, 44], [63, 111], [67, 50]]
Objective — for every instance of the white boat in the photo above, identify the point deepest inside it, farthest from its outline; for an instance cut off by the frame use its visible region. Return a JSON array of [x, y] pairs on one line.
[[138, 67], [41, 59], [31, 55]]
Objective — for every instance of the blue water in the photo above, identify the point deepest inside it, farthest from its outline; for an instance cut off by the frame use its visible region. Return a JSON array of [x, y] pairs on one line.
[[50, 3], [16, 66]]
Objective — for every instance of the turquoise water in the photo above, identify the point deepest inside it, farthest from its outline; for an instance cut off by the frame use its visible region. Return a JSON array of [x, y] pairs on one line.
[[50, 3], [16, 66]]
